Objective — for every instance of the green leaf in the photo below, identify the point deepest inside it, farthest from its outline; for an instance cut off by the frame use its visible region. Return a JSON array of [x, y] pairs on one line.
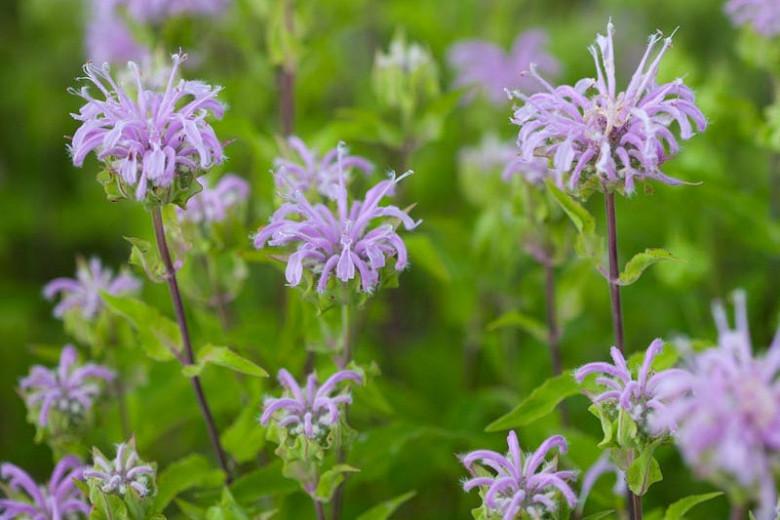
[[262, 482], [189, 472], [602, 514], [522, 321], [244, 438], [158, 336], [626, 429], [677, 510], [541, 402], [223, 357], [422, 252], [641, 261], [643, 472], [384, 510], [330, 480], [146, 257], [607, 427], [583, 221]]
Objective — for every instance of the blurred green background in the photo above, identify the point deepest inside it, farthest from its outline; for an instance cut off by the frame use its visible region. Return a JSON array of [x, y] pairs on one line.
[[444, 375]]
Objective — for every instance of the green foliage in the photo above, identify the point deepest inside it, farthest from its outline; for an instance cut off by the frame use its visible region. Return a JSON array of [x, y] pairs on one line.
[[386, 509], [187, 473], [641, 261], [678, 509], [222, 357], [538, 404], [330, 480], [158, 336]]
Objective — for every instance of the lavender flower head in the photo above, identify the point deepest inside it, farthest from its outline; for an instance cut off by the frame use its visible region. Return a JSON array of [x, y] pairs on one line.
[[493, 154], [148, 137], [60, 498], [70, 389], [83, 292], [590, 129], [124, 473], [642, 397], [213, 204], [345, 240], [600, 468], [522, 483], [483, 65], [728, 421], [762, 15], [108, 38], [313, 410], [155, 11], [313, 172]]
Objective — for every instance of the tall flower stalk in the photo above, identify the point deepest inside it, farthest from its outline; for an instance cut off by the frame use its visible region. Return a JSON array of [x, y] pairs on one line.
[[188, 355]]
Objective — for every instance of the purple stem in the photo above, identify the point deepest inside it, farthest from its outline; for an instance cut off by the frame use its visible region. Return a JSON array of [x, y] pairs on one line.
[[189, 356], [319, 509], [634, 502]]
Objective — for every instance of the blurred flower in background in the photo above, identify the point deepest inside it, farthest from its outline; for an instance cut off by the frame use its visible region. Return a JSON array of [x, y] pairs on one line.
[[761, 15], [83, 292], [213, 204], [109, 39], [154, 11], [59, 499], [69, 389], [486, 67]]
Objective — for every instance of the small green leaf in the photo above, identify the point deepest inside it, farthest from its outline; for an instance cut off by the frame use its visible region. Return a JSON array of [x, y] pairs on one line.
[[189, 472], [641, 261], [602, 514], [158, 336], [626, 429], [262, 482], [245, 438], [643, 472], [223, 357], [677, 510], [522, 321], [607, 427], [583, 221], [146, 257], [330, 480], [384, 510], [541, 402]]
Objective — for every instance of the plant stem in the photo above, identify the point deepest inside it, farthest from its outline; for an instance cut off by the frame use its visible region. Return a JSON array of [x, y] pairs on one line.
[[319, 509], [343, 361], [286, 80], [553, 330], [737, 512], [634, 502], [189, 356]]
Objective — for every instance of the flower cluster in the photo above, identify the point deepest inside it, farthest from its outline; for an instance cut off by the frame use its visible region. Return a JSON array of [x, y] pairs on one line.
[[762, 15], [158, 10], [642, 398], [60, 498], [591, 129], [405, 76], [69, 388], [344, 241], [125, 472], [310, 411], [522, 483], [83, 292], [213, 204], [313, 172], [486, 66], [147, 136], [728, 423]]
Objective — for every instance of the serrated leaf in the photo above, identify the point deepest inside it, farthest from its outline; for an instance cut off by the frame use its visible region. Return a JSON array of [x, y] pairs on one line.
[[384, 510], [330, 480], [643, 472], [677, 510], [641, 261], [541, 402], [223, 357], [158, 336], [189, 472], [522, 321]]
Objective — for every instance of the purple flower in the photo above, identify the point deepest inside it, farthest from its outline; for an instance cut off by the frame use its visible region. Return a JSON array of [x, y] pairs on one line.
[[109, 40], [310, 171], [70, 389], [493, 154], [156, 11], [312, 410], [214, 204], [145, 135], [618, 137], [642, 397], [123, 473], [59, 499], [599, 468], [483, 65], [728, 420], [762, 15], [83, 292], [522, 483], [344, 240]]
